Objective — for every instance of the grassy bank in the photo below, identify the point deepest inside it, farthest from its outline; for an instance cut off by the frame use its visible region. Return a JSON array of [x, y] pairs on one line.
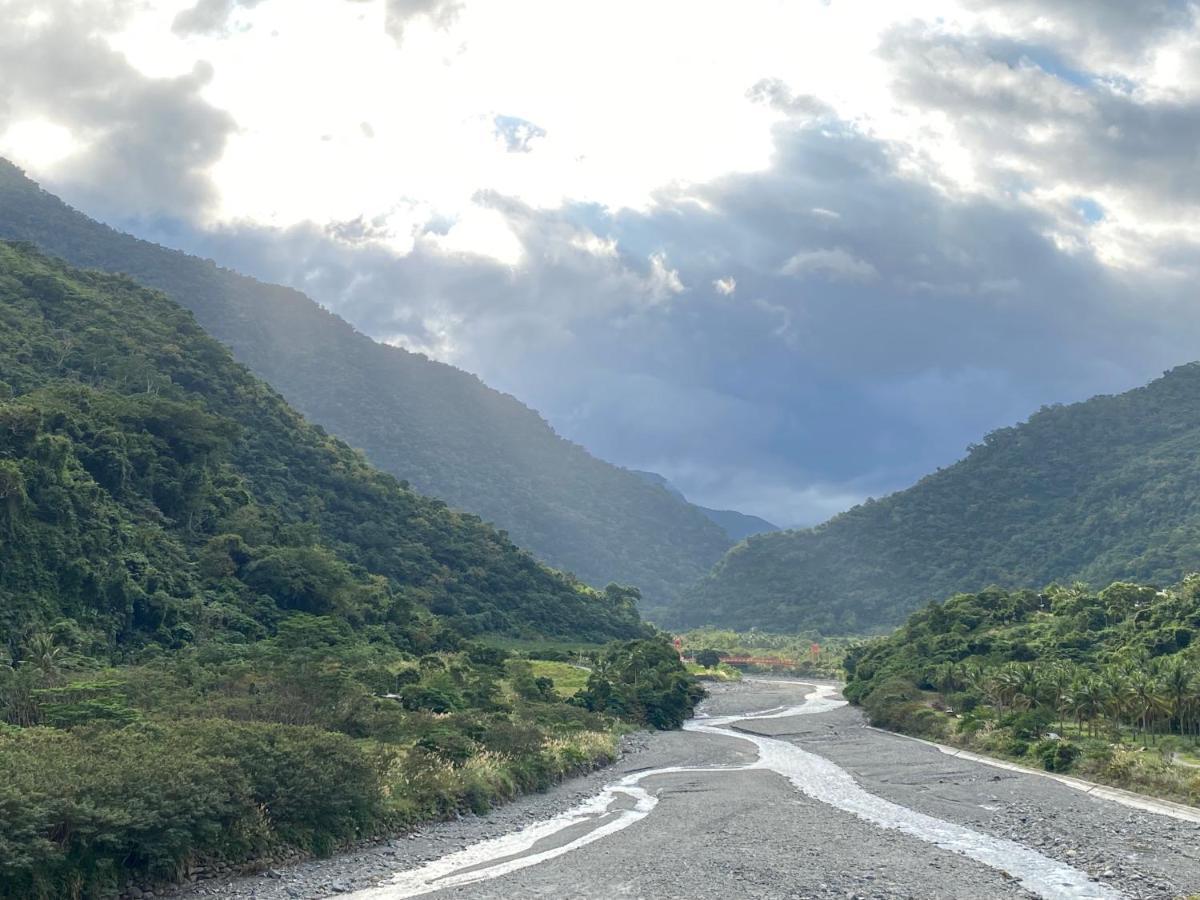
[[226, 754], [1118, 758], [1103, 685]]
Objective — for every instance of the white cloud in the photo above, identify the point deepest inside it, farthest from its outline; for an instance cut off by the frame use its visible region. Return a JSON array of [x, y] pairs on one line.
[[452, 88], [725, 286], [836, 264], [663, 281]]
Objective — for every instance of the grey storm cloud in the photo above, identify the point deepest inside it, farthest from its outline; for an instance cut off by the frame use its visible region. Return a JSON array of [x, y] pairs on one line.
[[878, 324], [798, 393], [147, 142]]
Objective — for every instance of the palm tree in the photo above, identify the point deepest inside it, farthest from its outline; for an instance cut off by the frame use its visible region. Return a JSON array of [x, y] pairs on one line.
[[1028, 686], [1143, 698], [1088, 698], [1179, 688], [1119, 701], [950, 677], [1001, 687], [42, 653], [1056, 681]]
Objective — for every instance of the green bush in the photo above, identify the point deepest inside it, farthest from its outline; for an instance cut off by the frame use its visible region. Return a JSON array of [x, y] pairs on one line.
[[82, 811], [1057, 756], [642, 681], [1014, 746], [1028, 724]]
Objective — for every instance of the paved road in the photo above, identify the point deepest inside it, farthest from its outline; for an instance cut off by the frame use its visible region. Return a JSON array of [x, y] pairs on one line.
[[801, 802]]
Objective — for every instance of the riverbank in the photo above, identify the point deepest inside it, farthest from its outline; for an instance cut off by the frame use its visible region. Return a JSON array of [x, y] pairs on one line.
[[372, 863], [1160, 806]]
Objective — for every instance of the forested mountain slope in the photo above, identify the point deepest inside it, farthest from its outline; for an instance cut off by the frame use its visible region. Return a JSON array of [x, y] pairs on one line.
[[435, 426], [152, 489], [225, 636], [1100, 491]]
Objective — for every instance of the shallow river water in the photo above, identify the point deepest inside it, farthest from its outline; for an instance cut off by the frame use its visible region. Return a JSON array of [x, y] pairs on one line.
[[627, 801]]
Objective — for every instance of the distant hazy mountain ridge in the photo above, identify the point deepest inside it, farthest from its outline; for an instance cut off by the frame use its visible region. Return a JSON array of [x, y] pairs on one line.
[[439, 428], [1099, 491], [736, 524]]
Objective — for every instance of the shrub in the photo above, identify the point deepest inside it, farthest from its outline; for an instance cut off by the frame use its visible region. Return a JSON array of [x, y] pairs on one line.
[[80, 811], [1057, 756], [1014, 746], [1028, 724]]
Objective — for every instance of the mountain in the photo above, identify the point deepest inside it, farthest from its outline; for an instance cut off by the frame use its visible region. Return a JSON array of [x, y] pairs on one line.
[[736, 525], [225, 637], [1099, 491], [153, 490], [435, 426]]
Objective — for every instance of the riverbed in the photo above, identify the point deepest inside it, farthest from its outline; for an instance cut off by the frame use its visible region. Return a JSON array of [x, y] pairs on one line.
[[775, 790]]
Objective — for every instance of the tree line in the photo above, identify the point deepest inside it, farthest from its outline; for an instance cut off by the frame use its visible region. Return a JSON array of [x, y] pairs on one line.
[[1066, 676]]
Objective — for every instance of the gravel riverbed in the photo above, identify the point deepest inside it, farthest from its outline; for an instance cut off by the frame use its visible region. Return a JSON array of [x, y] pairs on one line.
[[750, 833]]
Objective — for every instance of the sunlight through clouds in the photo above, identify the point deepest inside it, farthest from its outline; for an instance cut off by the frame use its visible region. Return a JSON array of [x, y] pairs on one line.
[[38, 139], [807, 223]]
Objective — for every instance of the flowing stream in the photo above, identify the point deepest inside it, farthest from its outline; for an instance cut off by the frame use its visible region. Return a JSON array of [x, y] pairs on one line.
[[625, 802]]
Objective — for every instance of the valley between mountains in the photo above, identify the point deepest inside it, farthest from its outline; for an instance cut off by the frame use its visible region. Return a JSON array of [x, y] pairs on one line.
[[776, 789], [678, 451], [229, 639]]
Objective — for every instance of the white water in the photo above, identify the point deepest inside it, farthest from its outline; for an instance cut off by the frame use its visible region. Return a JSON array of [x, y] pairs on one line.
[[625, 802]]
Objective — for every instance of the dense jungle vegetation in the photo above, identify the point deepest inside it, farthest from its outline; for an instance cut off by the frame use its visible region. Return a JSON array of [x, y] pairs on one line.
[[222, 633], [153, 487], [433, 425], [1105, 684], [1100, 491]]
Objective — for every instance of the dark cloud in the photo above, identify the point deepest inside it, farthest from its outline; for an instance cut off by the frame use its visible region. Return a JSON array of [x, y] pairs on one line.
[[872, 324], [208, 16], [928, 321], [146, 143]]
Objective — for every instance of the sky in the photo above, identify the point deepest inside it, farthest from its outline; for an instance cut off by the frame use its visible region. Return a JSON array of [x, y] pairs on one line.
[[788, 254]]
